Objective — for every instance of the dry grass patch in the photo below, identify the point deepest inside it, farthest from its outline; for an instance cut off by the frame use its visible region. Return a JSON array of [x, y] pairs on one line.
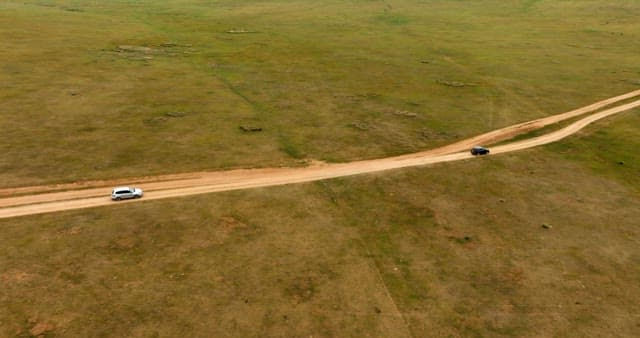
[[456, 249], [79, 102]]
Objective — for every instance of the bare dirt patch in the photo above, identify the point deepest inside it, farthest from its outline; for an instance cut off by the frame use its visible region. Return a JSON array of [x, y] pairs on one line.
[[15, 276]]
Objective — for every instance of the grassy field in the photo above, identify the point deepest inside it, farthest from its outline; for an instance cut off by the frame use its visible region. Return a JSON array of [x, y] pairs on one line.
[[129, 88], [538, 243], [456, 249]]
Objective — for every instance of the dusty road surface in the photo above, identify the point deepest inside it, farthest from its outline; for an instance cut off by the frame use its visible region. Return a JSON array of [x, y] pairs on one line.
[[44, 199]]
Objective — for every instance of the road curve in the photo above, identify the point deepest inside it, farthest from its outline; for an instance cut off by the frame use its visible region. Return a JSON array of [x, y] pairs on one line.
[[188, 179], [207, 182]]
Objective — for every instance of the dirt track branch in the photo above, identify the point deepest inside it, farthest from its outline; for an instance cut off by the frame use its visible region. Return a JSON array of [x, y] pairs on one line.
[[208, 182]]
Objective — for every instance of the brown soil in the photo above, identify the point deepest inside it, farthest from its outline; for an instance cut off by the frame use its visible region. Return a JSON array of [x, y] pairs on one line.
[[95, 193]]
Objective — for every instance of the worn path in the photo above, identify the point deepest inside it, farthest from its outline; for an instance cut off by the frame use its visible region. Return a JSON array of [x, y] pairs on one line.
[[44, 199]]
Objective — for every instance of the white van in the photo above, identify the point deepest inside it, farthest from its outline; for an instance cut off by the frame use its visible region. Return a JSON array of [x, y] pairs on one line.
[[122, 193]]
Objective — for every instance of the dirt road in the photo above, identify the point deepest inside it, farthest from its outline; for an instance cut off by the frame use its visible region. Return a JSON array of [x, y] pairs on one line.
[[93, 194]]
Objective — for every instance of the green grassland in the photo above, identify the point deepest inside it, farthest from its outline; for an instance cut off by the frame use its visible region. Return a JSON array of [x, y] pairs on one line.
[[105, 89], [86, 86], [455, 249]]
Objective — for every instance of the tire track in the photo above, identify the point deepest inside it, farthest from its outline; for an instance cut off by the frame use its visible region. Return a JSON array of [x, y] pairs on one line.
[[208, 182]]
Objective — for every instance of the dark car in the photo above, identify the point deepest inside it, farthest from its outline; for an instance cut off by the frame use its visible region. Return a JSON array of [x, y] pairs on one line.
[[479, 151]]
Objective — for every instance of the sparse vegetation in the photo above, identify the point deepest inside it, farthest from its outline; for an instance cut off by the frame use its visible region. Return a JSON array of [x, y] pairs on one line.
[[406, 252], [542, 242], [79, 86]]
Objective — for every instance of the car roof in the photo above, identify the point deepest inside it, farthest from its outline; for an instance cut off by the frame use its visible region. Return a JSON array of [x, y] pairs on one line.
[[121, 188]]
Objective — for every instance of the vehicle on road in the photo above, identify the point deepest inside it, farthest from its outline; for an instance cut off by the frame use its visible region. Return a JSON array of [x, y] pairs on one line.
[[479, 151], [123, 193]]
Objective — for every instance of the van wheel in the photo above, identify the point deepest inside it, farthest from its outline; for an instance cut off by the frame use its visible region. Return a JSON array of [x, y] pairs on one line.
[[136, 196], [118, 198]]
